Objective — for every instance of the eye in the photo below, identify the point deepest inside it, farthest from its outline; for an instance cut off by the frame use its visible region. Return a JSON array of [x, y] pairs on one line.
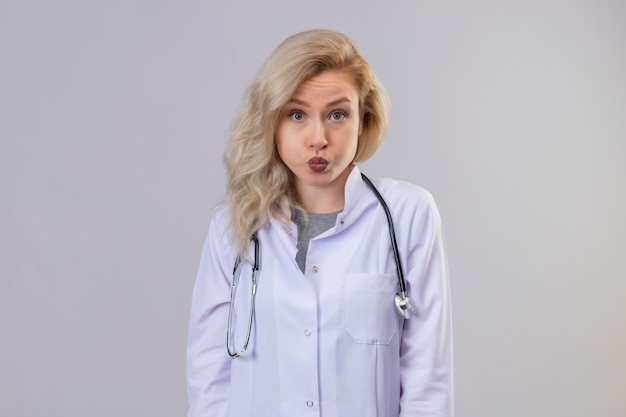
[[296, 115], [338, 115]]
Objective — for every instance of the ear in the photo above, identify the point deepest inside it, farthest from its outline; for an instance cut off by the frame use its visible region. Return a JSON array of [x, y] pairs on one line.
[[361, 125]]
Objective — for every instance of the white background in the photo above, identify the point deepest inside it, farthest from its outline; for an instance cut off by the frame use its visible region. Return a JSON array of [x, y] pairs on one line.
[[113, 118]]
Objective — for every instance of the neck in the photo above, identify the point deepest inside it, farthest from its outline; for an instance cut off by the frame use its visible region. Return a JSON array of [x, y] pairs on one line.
[[325, 199]]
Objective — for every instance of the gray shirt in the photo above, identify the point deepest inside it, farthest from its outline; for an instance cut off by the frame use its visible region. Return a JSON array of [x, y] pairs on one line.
[[318, 224]]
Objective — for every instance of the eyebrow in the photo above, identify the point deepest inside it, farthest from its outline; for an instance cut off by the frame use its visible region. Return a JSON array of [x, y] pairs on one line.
[[332, 103]]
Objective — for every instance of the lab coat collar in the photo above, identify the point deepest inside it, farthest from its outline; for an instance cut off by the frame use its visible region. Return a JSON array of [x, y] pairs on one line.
[[357, 198], [353, 187]]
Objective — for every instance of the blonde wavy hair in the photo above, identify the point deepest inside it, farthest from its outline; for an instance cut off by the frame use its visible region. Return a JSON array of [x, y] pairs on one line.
[[259, 184]]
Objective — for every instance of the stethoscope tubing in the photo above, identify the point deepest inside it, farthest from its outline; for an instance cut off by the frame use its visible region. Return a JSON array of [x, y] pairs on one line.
[[392, 233], [234, 353], [402, 302]]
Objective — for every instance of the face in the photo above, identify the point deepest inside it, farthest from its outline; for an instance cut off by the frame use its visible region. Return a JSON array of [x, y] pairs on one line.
[[317, 133]]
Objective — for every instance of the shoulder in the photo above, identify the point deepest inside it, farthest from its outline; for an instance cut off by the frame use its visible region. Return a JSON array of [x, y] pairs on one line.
[[414, 212], [221, 214], [404, 195], [219, 226], [412, 207]]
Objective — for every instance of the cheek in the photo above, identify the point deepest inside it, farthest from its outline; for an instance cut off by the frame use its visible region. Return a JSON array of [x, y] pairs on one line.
[[354, 149], [280, 150], [279, 138], [282, 146], [354, 143]]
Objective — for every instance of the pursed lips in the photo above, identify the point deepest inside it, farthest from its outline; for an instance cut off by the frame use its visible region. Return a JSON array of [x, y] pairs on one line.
[[317, 164]]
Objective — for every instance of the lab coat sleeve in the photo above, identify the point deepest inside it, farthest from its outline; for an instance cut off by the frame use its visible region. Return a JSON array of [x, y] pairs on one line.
[[426, 349], [208, 365]]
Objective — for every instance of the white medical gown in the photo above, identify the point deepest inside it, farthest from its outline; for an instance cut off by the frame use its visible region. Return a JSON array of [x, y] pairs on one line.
[[328, 343]]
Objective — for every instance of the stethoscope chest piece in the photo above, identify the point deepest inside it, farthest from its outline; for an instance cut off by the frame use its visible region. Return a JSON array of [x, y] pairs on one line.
[[401, 300], [403, 305]]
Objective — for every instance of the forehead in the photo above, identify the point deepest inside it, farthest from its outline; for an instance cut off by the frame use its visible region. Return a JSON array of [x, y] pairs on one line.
[[329, 82]]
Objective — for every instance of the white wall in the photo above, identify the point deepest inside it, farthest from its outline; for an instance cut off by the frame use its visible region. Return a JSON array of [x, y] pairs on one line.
[[113, 117]]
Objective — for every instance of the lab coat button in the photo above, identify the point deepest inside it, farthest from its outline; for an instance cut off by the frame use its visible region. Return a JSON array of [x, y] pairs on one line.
[[309, 403], [307, 332], [315, 269], [341, 222]]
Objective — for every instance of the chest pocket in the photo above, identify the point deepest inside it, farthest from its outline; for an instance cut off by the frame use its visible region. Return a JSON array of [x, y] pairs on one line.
[[368, 308]]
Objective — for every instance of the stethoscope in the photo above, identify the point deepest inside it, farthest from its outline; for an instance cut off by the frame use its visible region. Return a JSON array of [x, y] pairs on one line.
[[401, 300]]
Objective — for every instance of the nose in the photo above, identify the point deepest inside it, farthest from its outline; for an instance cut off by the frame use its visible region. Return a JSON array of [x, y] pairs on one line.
[[317, 136]]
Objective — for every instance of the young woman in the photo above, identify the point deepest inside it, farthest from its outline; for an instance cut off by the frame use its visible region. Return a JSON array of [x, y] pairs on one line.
[[323, 326]]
